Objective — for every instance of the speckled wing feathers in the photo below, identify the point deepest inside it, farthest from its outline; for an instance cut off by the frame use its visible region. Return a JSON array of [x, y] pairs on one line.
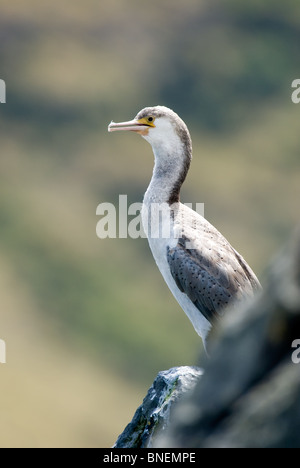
[[207, 269]]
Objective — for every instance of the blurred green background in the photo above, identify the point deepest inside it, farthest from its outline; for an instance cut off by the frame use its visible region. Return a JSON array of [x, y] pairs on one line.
[[88, 323]]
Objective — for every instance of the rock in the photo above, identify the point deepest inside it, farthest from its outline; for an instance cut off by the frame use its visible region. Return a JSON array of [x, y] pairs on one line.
[[249, 395], [153, 416]]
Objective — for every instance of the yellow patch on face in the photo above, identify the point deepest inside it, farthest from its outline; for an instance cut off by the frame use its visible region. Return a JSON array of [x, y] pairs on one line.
[[149, 121]]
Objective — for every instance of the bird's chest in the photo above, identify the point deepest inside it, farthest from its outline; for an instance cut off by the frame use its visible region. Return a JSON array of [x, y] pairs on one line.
[[161, 230]]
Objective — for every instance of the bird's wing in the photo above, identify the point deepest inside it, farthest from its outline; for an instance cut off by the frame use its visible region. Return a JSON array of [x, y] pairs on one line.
[[209, 271]]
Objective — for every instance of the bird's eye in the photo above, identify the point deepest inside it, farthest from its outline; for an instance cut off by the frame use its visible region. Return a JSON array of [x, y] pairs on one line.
[[150, 119]]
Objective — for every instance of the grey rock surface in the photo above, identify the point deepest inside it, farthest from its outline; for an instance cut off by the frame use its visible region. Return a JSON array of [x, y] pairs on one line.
[[153, 416], [249, 395]]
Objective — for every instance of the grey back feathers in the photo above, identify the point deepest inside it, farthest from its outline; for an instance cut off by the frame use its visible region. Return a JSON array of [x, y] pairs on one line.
[[207, 268]]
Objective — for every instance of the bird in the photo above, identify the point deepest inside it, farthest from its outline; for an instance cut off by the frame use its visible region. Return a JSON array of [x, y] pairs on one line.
[[204, 272]]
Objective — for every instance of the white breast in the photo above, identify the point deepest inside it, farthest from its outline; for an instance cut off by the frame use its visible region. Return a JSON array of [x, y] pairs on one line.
[[162, 232]]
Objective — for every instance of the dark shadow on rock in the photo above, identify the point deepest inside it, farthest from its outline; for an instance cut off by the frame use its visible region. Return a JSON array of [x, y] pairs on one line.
[[249, 395]]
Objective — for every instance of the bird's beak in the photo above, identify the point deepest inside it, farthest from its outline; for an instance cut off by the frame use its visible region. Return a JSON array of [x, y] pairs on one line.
[[139, 126]]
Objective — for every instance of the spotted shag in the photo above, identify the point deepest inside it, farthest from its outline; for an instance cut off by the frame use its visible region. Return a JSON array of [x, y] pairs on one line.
[[203, 271]]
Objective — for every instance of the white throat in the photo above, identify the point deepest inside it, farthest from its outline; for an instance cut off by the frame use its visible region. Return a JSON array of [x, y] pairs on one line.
[[164, 139], [169, 155]]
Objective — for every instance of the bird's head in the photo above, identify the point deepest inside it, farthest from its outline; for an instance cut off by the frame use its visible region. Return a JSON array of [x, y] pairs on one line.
[[161, 127]]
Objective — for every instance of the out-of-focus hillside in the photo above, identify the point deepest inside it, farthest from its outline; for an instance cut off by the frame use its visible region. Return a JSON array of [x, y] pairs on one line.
[[73, 305]]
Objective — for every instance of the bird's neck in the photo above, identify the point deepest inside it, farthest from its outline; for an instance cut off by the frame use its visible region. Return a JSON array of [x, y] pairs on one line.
[[169, 173]]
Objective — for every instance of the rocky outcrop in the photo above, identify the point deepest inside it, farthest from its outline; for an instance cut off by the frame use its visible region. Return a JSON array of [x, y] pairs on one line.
[[153, 416], [249, 393]]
